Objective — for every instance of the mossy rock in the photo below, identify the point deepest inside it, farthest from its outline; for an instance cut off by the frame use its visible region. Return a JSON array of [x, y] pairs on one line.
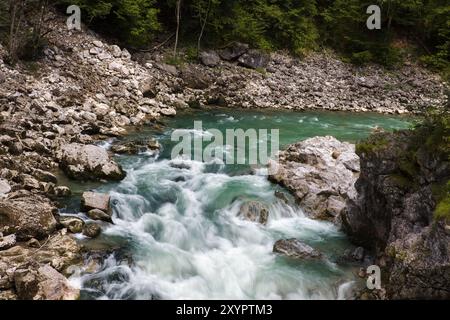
[[371, 145]]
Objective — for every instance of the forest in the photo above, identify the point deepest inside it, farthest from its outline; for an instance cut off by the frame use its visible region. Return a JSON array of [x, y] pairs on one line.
[[408, 27]]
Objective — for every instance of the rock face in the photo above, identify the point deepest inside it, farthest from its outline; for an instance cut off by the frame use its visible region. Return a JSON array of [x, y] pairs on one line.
[[296, 249], [88, 162], [27, 215], [254, 211], [394, 215], [321, 173]]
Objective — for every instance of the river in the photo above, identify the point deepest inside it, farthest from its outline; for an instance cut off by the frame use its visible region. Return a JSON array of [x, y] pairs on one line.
[[176, 234]]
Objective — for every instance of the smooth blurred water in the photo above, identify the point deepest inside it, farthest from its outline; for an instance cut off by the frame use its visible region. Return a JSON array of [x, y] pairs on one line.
[[176, 232]]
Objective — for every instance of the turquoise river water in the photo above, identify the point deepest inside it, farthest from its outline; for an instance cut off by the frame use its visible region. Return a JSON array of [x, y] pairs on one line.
[[176, 234]]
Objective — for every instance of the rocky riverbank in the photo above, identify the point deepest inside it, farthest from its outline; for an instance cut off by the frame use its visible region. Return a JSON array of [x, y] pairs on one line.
[[83, 90], [385, 198], [395, 214]]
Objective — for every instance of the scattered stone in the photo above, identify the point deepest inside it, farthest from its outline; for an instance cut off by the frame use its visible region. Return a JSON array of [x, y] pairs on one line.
[[4, 187], [88, 162], [93, 200], [44, 176], [74, 225], [210, 58], [170, 112], [28, 216], [62, 191], [7, 241], [282, 196], [33, 243], [97, 43], [116, 51], [92, 230], [233, 52], [97, 214], [168, 68], [43, 283], [153, 144], [254, 59], [294, 248]]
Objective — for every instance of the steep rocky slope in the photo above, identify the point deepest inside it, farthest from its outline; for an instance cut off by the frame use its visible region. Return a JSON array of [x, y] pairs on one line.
[[403, 177]]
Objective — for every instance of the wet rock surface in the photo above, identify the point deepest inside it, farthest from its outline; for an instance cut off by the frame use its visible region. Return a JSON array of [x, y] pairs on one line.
[[95, 201], [295, 249], [254, 211], [320, 172]]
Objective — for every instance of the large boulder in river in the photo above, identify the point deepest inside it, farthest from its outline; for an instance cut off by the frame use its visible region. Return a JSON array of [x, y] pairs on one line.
[[95, 201], [27, 215], [88, 162], [321, 173], [296, 249], [254, 211]]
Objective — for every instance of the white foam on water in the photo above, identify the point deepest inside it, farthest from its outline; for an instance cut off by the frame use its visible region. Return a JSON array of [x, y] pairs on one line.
[[188, 241]]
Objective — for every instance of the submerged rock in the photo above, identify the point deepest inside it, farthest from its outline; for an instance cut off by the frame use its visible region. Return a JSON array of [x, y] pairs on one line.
[[255, 212], [88, 162], [135, 147], [321, 173], [27, 215], [294, 248]]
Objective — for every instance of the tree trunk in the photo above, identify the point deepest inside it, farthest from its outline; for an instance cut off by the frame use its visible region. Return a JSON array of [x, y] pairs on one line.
[[203, 28], [178, 13]]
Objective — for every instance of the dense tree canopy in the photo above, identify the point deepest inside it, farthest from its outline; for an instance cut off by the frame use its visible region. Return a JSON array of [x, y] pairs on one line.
[[296, 25]]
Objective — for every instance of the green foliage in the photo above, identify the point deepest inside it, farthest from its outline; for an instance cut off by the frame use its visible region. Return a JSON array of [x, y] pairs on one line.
[[442, 196], [297, 25], [372, 144], [135, 22]]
